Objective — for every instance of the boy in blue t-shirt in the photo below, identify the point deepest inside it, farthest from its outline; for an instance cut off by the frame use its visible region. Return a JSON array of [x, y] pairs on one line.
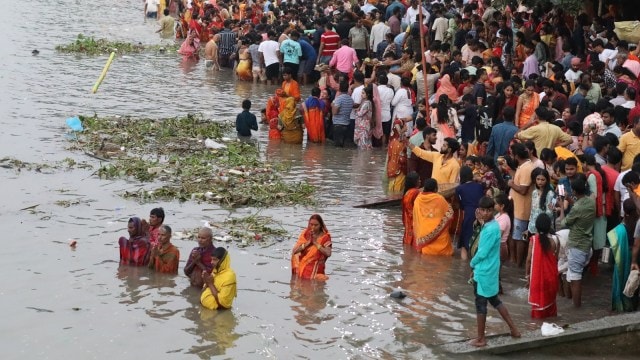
[[246, 121]]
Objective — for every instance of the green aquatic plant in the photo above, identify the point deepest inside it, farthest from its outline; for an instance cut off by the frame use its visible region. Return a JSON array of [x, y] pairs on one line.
[[245, 230], [170, 158], [88, 45]]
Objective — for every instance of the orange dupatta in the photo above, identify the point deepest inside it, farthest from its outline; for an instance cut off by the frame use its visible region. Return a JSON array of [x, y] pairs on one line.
[[292, 89], [432, 216], [310, 262]]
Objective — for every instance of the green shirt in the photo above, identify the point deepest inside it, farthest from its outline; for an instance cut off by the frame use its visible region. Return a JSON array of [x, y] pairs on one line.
[[580, 223]]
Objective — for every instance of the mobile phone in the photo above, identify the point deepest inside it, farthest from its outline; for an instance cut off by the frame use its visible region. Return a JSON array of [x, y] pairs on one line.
[[561, 192]]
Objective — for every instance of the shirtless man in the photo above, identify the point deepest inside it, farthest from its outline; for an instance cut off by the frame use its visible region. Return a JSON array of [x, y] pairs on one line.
[[211, 53]]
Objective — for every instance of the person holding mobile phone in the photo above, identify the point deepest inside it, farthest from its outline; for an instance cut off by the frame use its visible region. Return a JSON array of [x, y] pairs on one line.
[[580, 224]]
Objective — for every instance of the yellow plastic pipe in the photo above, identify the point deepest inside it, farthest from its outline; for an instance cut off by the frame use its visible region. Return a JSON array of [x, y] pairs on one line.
[[104, 73]]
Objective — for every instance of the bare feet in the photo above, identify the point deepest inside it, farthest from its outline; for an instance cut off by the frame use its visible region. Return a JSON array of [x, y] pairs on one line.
[[478, 342]]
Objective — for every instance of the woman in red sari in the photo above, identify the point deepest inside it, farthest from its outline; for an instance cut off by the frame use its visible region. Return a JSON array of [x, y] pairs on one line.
[[272, 110], [135, 250], [411, 191], [314, 110], [542, 270], [312, 251]]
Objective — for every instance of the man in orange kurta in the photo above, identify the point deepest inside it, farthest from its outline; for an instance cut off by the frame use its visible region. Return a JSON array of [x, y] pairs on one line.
[[164, 256], [432, 216]]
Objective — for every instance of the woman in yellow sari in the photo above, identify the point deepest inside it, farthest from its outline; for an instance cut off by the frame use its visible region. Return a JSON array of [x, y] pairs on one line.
[[312, 251], [289, 122], [527, 104], [243, 69], [432, 217], [221, 287]]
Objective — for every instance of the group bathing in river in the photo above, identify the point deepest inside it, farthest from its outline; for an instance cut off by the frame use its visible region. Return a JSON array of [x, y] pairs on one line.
[[513, 134]]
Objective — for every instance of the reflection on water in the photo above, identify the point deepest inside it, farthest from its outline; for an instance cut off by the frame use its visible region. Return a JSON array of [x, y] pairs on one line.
[[311, 299], [214, 331]]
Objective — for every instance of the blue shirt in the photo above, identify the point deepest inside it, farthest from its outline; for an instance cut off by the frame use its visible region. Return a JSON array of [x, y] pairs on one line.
[[291, 51], [245, 122], [308, 52], [501, 136], [389, 11], [345, 104], [486, 261]]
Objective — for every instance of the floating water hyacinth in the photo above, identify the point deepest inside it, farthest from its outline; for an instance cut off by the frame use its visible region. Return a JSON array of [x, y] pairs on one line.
[[172, 152]]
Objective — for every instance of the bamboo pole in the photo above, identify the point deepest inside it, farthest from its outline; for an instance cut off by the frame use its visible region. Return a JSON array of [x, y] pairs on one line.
[[104, 73], [422, 48]]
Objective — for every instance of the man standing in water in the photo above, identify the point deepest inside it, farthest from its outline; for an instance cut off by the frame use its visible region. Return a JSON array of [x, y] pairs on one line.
[[485, 265], [164, 257], [167, 23], [200, 258], [211, 53], [156, 218]]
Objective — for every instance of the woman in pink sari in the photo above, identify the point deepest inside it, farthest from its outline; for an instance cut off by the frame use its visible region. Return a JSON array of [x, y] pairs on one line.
[[446, 88]]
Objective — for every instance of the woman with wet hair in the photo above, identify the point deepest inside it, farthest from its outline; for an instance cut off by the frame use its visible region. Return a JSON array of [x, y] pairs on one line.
[[134, 251]]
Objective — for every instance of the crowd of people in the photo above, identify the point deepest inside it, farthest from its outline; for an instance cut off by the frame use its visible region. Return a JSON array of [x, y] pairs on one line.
[[501, 125]]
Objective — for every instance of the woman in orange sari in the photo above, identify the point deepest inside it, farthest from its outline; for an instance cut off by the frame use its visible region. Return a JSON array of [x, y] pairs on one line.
[[527, 104], [397, 155], [432, 217], [312, 251], [313, 109], [411, 191]]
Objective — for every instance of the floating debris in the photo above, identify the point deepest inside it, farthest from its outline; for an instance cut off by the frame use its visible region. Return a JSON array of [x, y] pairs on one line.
[[88, 45], [65, 164], [172, 151], [243, 230]]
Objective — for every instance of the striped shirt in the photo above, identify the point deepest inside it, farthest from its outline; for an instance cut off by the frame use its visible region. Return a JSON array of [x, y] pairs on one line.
[[227, 42], [331, 41]]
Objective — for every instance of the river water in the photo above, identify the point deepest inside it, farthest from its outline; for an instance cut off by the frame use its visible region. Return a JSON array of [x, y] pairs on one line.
[[62, 303]]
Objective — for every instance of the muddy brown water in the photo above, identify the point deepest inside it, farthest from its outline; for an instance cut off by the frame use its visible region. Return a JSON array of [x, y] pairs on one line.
[[62, 303]]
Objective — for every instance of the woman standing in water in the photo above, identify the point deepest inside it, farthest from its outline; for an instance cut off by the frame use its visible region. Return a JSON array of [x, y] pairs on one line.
[[411, 191], [312, 251], [364, 114], [134, 250]]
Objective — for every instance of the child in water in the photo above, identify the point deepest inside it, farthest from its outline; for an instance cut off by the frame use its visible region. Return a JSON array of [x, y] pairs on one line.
[[246, 121]]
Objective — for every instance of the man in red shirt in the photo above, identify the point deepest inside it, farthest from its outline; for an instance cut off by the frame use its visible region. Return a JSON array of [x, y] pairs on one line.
[[611, 172], [329, 43]]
